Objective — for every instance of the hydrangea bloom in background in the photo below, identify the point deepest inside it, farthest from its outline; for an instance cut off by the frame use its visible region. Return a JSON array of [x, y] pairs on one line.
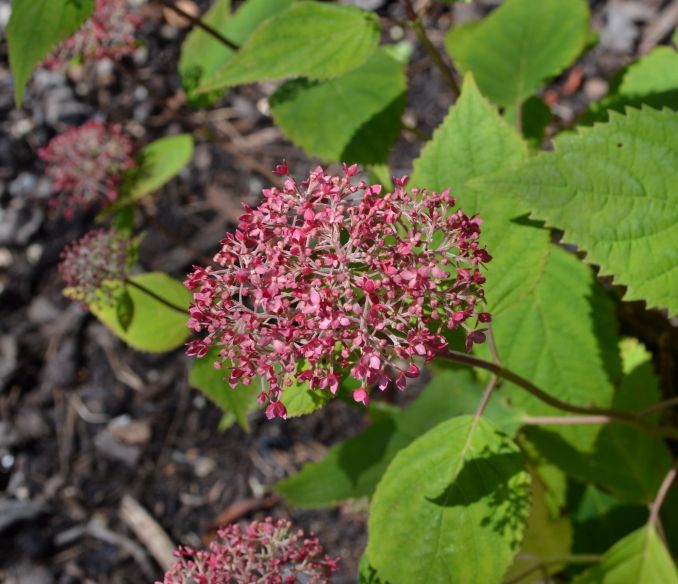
[[342, 278], [86, 164], [266, 552], [108, 33], [94, 265]]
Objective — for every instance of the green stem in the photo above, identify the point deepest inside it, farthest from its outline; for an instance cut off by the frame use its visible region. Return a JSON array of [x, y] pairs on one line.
[[662, 405], [429, 47], [200, 24], [531, 388], [491, 386], [661, 495], [156, 297]]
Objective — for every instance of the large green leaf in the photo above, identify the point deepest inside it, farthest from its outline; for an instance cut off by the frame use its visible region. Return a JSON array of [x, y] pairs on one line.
[[652, 80], [640, 557], [473, 141], [155, 327], [546, 537], [451, 507], [309, 39], [627, 462], [202, 54], [520, 45], [34, 29], [238, 401], [353, 118], [353, 468], [159, 162], [600, 520], [613, 189], [562, 337]]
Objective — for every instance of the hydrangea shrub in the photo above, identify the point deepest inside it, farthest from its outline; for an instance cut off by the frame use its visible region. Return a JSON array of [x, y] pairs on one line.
[[341, 286]]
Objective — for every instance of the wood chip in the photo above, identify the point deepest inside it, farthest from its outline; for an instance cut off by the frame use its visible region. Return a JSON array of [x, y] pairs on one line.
[[659, 28], [148, 531], [178, 21]]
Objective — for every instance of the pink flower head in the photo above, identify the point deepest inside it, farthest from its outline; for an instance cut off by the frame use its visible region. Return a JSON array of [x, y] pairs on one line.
[[328, 277], [86, 164], [95, 264], [266, 552], [108, 33]]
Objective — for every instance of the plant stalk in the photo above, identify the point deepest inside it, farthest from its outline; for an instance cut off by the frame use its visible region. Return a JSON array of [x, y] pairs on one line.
[[199, 23], [429, 47], [661, 495], [508, 375]]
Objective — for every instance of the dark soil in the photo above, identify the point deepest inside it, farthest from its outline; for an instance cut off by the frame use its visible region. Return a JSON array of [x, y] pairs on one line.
[[86, 421]]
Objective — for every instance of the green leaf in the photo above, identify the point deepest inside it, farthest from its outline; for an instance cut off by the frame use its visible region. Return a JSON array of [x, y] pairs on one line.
[[34, 29], [239, 401], [353, 468], [367, 574], [451, 507], [562, 337], [652, 81], [309, 39], [473, 141], [156, 327], [299, 399], [536, 116], [640, 557], [123, 219], [366, 106], [519, 46], [159, 162], [202, 55], [600, 520], [628, 463], [124, 309], [546, 537], [613, 189]]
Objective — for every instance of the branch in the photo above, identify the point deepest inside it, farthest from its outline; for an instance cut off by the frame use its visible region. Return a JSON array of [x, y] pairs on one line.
[[656, 505], [429, 47], [609, 414], [199, 23], [662, 405], [491, 386]]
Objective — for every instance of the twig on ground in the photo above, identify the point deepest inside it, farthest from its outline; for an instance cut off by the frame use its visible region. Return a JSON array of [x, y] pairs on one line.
[[148, 531]]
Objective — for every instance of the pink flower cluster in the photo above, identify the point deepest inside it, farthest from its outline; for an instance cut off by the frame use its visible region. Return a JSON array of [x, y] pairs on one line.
[[327, 278], [266, 552], [108, 33], [86, 165], [93, 266]]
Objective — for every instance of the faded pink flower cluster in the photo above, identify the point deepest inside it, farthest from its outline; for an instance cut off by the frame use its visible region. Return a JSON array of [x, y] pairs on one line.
[[93, 266], [341, 278], [86, 165], [108, 33], [266, 552]]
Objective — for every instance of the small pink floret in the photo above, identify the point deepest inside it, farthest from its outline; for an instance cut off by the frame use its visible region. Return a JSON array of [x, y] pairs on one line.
[[361, 396]]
